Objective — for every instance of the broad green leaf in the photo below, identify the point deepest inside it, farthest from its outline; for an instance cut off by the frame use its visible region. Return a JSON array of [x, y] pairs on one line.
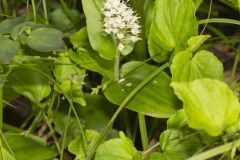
[[27, 147], [180, 143], [8, 49], [100, 42], [156, 99], [76, 146], [149, 15], [7, 25], [80, 39], [186, 67], [209, 105], [70, 78], [100, 108], [118, 149], [178, 120], [45, 40], [196, 42], [60, 121], [6, 155], [22, 30], [87, 57], [60, 20], [90, 60], [32, 81], [174, 22], [164, 156]]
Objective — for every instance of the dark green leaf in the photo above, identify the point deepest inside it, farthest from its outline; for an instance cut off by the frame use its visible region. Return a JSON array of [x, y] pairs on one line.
[[80, 39], [60, 121], [8, 49], [31, 81], [98, 107], [60, 20], [26, 147], [156, 99], [22, 30], [7, 25], [45, 40], [180, 143], [87, 57]]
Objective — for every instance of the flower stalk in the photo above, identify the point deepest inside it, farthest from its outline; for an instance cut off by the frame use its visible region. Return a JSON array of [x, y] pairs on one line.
[[122, 24]]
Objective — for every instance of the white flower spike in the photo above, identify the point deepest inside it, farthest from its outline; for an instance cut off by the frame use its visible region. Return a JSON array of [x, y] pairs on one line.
[[120, 21]]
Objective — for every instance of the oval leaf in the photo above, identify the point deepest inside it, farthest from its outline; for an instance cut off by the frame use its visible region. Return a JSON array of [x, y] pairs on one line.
[[118, 149], [186, 67], [174, 22], [100, 42], [8, 49], [30, 82], [156, 99], [209, 105], [45, 40], [29, 147]]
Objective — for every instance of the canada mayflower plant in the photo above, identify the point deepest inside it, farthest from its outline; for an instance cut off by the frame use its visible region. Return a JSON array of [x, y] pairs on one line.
[[121, 22]]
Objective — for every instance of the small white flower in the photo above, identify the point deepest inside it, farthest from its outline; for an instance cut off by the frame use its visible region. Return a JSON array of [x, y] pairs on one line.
[[120, 47], [121, 22], [120, 35], [134, 39]]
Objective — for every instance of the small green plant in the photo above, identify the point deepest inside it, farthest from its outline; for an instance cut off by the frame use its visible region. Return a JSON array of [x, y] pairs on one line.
[[119, 80]]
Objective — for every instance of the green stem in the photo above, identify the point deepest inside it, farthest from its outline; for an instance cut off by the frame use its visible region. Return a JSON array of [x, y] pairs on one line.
[[216, 151], [1, 149], [1, 106], [69, 100], [81, 128], [150, 150], [34, 11], [143, 131], [65, 133], [123, 104], [35, 122], [5, 6], [45, 11], [219, 20], [117, 66], [234, 67], [53, 133]]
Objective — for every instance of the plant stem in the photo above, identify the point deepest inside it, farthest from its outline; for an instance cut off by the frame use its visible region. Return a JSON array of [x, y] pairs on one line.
[[234, 66], [65, 133], [34, 123], [1, 104], [143, 131], [123, 104], [150, 150], [5, 6], [34, 11], [53, 133], [117, 66], [45, 11], [216, 151]]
